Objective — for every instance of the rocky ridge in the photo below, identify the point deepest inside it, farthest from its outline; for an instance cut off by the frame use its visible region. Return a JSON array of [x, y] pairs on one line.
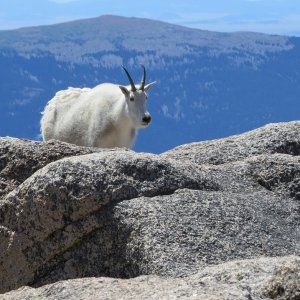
[[207, 220]]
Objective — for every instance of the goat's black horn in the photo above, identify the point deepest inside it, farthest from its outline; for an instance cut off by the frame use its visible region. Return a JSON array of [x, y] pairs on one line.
[[133, 88], [143, 78]]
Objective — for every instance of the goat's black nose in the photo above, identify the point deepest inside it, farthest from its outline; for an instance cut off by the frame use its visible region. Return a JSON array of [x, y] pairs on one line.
[[147, 119]]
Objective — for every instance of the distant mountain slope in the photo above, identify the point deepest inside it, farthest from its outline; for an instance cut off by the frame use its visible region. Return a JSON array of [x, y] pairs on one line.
[[209, 84]]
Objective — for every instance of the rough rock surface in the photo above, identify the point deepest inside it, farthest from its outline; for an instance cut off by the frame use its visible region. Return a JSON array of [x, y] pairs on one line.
[[262, 278], [219, 204], [272, 138], [20, 158]]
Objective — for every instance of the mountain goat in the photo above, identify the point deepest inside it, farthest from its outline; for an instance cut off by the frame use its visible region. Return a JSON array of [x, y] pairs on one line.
[[105, 116]]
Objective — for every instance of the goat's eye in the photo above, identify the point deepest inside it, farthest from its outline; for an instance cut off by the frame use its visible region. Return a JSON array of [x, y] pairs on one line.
[[131, 98]]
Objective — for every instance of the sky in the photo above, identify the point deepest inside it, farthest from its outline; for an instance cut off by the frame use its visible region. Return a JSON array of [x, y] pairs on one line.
[[267, 16]]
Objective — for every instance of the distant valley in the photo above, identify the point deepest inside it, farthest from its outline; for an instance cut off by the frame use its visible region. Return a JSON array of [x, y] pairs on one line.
[[210, 84]]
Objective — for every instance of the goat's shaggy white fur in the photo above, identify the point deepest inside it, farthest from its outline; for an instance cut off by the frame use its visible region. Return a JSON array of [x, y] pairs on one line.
[[105, 116]]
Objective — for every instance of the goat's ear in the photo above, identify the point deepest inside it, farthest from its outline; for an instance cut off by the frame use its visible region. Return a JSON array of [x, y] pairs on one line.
[[124, 90], [149, 86]]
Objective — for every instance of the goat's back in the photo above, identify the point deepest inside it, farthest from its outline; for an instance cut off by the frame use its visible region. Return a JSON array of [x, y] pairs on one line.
[[58, 105], [65, 98]]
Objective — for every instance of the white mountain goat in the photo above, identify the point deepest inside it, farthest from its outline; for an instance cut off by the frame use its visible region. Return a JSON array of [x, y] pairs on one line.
[[105, 116]]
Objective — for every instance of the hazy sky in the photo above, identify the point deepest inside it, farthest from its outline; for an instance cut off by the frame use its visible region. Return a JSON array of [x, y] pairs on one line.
[[269, 16]]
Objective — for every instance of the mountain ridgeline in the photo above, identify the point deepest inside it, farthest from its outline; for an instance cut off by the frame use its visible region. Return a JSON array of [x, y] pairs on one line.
[[210, 84]]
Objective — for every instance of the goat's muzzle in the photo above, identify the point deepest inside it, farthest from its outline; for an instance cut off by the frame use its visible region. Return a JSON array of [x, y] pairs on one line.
[[147, 119]]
